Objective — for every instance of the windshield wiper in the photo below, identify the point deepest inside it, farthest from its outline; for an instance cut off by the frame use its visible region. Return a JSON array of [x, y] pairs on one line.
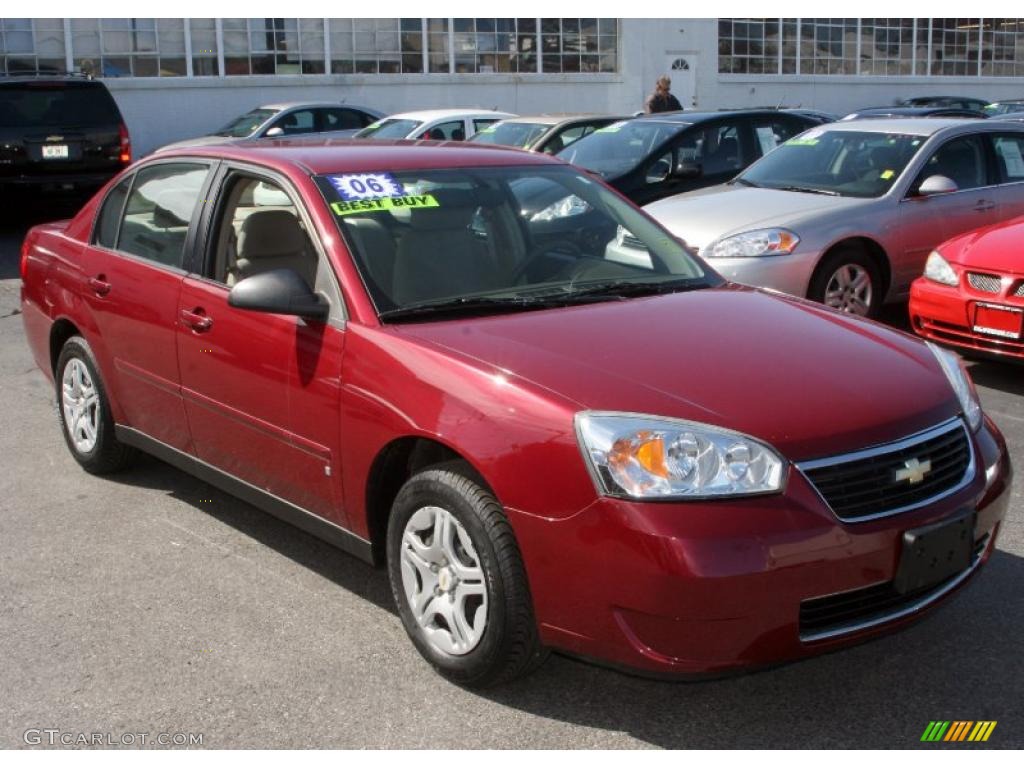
[[810, 190], [477, 304], [622, 289]]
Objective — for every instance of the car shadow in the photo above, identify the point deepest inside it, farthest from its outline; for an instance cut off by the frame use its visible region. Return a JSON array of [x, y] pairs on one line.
[[1007, 377]]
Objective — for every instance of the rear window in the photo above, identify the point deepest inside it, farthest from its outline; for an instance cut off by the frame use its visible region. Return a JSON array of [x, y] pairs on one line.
[[25, 105]]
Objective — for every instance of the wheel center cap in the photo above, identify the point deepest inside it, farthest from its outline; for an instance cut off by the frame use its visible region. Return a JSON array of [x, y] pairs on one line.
[[445, 579]]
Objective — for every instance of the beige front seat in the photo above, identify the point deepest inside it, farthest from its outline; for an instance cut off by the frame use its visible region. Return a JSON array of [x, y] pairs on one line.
[[274, 240]]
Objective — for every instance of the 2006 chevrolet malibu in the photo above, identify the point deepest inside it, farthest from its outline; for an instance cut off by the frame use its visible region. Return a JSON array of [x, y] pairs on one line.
[[553, 442]]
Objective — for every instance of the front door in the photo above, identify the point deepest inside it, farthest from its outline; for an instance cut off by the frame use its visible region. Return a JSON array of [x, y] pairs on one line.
[[682, 69], [261, 390], [134, 270]]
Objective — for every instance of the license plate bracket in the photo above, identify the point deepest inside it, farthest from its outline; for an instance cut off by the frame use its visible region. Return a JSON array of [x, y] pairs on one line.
[[998, 320], [933, 553]]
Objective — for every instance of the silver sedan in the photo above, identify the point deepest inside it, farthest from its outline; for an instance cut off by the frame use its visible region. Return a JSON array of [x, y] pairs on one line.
[[847, 213]]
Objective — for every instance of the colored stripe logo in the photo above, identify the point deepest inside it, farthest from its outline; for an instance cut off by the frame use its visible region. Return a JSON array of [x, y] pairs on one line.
[[958, 730]]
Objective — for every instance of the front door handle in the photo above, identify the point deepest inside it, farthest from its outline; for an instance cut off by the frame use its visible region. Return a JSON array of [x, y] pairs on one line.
[[196, 319], [984, 205], [99, 285]]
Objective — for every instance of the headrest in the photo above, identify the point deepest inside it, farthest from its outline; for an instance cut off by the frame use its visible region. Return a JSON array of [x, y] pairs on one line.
[[270, 233]]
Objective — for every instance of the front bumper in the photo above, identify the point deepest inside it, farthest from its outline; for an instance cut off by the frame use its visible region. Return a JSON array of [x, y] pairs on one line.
[[706, 588], [943, 313], [787, 274]]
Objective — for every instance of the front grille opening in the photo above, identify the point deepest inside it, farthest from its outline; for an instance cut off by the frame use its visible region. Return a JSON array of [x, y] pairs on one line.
[[985, 283], [850, 611], [878, 484]]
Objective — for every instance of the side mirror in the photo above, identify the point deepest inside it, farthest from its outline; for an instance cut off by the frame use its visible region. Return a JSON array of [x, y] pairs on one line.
[[275, 131], [281, 291], [936, 185]]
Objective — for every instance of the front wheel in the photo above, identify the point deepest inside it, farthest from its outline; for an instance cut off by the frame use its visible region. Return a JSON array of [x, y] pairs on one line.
[[458, 580], [848, 280]]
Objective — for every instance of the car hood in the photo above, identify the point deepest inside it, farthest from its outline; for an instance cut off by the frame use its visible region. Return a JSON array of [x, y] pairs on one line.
[[995, 248], [703, 216], [809, 381]]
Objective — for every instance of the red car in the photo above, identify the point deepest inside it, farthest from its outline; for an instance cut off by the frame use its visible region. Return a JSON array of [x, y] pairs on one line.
[[440, 358], [972, 293]]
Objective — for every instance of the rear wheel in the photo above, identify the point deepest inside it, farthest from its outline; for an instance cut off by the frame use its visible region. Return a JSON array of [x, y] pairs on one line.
[[848, 279], [84, 411], [458, 579]]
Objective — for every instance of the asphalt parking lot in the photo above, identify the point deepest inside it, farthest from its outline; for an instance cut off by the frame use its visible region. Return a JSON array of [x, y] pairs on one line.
[[150, 602]]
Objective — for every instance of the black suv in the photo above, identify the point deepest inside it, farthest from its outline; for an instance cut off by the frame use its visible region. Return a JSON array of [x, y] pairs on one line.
[[59, 133]]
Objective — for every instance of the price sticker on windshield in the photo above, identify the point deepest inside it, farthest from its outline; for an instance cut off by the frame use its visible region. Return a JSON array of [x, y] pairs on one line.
[[366, 186]]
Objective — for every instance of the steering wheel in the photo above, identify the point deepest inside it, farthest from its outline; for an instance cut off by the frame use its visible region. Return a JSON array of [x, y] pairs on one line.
[[541, 250]]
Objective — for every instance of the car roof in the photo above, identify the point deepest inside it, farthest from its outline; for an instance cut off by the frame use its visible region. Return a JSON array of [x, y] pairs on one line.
[[559, 119], [316, 156], [691, 118], [313, 105], [426, 115], [914, 126]]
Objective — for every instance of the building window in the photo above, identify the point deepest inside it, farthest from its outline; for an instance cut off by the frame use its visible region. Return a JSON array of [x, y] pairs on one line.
[[203, 34], [371, 46], [828, 46], [1002, 48], [579, 45], [887, 46], [129, 47], [438, 54], [955, 46], [495, 45], [748, 46], [32, 45], [273, 46]]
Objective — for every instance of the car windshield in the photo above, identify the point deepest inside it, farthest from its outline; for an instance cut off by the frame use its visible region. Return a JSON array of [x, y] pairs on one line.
[[389, 129], [620, 147], [846, 163], [1004, 108], [244, 126], [429, 242], [56, 104], [511, 134]]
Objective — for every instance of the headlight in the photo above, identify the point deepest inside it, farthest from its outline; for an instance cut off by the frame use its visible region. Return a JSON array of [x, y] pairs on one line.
[[961, 382], [567, 206], [760, 242], [644, 457], [938, 269]]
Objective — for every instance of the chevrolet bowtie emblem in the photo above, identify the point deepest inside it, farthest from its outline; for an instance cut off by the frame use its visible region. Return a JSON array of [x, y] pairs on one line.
[[913, 471], [54, 138]]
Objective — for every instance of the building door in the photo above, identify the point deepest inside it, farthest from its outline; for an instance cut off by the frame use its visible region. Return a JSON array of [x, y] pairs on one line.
[[682, 68]]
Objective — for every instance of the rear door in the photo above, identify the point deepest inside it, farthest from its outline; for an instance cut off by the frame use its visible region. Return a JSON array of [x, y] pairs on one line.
[[341, 121], [133, 272], [1008, 149]]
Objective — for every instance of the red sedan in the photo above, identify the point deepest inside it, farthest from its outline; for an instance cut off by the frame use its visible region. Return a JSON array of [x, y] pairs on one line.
[[972, 293], [441, 359]]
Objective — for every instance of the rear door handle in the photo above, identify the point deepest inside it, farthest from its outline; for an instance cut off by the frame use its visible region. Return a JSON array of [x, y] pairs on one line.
[[99, 285], [984, 205], [196, 319]]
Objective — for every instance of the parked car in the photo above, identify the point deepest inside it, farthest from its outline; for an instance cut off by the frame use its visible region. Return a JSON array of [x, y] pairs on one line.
[[59, 133], [434, 124], [1012, 116], [651, 157], [542, 133], [327, 119], [893, 112], [548, 445], [972, 293], [1000, 108], [815, 114], [959, 102], [847, 213]]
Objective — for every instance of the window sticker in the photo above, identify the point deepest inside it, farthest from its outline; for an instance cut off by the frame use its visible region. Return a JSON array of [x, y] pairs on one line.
[[489, 129], [766, 138], [366, 186], [888, 174], [1009, 150], [613, 128], [802, 141], [375, 205]]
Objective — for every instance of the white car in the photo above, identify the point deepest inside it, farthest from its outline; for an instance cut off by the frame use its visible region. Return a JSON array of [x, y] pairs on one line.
[[327, 119], [436, 124]]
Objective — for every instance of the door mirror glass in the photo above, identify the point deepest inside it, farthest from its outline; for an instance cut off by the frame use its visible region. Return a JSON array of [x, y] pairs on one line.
[[275, 131], [281, 291], [936, 185], [659, 170]]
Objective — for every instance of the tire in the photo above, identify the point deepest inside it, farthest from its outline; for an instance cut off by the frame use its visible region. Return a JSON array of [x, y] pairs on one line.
[[90, 439], [470, 653], [836, 280]]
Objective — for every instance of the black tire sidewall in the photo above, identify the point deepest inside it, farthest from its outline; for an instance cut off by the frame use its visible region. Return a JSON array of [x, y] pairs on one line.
[[77, 348], [832, 262], [433, 488]]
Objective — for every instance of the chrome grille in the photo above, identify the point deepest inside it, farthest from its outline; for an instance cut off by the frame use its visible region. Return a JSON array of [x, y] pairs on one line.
[[985, 283], [1020, 290], [628, 241], [895, 477]]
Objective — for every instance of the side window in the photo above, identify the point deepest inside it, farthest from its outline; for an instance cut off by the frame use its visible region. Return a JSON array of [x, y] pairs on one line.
[[1010, 155], [721, 149], [482, 122], [769, 133], [259, 228], [453, 131], [159, 211], [341, 119], [962, 160], [110, 215], [294, 123]]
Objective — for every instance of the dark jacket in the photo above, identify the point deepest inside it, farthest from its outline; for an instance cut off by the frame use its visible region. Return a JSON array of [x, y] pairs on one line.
[[657, 102]]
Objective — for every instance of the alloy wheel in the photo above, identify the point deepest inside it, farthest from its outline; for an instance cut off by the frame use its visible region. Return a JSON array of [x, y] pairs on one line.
[[81, 404], [443, 581], [850, 290]]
